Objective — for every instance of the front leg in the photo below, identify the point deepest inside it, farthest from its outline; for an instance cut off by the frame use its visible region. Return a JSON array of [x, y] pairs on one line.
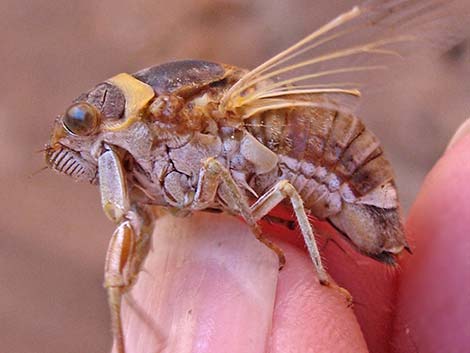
[[130, 242]]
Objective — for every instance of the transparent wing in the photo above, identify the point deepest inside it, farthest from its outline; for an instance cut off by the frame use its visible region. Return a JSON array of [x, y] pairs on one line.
[[331, 66]]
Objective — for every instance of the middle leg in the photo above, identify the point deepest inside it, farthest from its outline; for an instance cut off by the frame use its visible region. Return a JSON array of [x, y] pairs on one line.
[[213, 174]]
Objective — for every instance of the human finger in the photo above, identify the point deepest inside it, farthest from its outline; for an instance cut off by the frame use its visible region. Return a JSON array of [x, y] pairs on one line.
[[434, 293], [210, 286]]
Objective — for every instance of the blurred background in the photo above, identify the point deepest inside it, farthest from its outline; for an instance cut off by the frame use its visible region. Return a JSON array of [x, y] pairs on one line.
[[53, 234]]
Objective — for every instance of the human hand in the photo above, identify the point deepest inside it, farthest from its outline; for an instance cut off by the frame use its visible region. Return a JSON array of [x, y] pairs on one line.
[[209, 286]]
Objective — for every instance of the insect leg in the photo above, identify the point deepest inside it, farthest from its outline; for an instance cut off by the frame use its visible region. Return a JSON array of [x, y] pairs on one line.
[[120, 247], [211, 175], [130, 242], [271, 199]]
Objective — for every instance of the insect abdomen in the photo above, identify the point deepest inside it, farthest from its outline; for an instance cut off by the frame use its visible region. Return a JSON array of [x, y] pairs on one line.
[[322, 152]]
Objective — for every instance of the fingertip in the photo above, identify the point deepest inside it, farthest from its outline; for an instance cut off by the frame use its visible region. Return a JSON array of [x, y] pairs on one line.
[[371, 284], [432, 310], [210, 285], [308, 314], [460, 134]]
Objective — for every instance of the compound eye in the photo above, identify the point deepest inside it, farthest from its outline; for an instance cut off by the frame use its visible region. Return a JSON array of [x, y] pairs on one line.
[[81, 119]]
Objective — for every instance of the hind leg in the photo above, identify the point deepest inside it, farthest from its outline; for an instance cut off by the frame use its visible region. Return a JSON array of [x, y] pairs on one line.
[[276, 195], [271, 199]]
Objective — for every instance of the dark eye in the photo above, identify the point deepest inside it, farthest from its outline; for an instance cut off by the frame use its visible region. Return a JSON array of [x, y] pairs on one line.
[[81, 119]]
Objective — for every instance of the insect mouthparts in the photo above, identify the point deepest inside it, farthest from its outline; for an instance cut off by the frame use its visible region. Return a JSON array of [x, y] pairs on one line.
[[67, 162]]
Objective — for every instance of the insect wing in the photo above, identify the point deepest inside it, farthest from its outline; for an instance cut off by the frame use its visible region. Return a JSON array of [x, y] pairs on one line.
[[331, 66]]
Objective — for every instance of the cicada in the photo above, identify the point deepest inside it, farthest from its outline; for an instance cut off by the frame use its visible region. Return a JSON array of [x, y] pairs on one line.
[[196, 135]]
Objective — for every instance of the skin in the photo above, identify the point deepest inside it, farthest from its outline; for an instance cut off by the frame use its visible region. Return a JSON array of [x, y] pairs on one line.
[[209, 286]]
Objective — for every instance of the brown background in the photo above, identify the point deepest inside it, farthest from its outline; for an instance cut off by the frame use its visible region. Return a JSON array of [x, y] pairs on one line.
[[53, 234]]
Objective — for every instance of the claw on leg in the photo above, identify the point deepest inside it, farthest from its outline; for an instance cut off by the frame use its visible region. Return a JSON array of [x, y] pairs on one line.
[[342, 291], [277, 250]]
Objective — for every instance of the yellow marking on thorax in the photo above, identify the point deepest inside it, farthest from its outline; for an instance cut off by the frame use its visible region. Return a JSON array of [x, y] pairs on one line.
[[137, 94]]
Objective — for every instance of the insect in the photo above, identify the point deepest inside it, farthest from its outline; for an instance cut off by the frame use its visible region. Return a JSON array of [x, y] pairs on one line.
[[196, 135]]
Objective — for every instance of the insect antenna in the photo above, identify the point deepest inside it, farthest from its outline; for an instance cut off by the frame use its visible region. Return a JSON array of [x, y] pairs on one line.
[[33, 174], [44, 149]]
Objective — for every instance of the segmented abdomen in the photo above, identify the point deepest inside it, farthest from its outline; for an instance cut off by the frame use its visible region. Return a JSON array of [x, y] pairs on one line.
[[325, 154]]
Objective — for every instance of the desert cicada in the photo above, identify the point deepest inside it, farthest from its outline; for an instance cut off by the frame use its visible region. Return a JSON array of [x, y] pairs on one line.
[[197, 135]]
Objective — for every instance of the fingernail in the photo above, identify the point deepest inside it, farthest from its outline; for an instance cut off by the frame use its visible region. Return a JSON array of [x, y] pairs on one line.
[[461, 132]]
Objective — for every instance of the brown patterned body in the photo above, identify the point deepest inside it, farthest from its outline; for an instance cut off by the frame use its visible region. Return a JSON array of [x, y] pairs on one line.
[[162, 137], [325, 154], [333, 161], [195, 135], [338, 167]]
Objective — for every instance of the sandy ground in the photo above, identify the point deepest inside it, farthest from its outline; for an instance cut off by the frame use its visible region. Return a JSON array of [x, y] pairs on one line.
[[53, 234]]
